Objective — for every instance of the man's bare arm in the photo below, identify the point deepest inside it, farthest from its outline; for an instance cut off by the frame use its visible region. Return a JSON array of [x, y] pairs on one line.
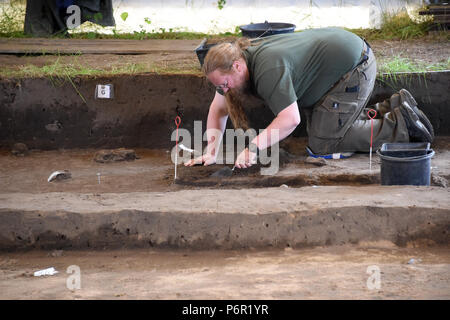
[[215, 126], [285, 122]]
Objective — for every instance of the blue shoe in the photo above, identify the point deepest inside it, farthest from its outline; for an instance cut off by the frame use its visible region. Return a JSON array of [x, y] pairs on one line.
[[335, 156]]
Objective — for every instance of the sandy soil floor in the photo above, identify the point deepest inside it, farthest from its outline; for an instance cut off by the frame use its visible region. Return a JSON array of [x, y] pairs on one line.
[[154, 171], [319, 273]]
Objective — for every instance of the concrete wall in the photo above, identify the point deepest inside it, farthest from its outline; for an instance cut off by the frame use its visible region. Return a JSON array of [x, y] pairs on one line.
[[50, 114]]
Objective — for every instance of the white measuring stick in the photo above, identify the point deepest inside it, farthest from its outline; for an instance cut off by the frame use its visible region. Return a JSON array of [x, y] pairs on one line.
[[177, 123], [176, 162], [371, 135]]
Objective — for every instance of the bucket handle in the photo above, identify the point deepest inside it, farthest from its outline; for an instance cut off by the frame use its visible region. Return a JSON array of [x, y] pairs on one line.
[[429, 154], [267, 30]]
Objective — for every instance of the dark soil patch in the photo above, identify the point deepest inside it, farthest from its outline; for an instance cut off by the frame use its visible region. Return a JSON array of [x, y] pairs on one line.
[[253, 179], [201, 176]]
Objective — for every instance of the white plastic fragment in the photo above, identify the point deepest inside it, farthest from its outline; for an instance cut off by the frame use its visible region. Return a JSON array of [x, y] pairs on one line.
[[46, 272], [65, 174]]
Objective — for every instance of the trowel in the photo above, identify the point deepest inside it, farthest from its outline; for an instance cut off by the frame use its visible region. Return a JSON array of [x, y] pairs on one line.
[[224, 172]]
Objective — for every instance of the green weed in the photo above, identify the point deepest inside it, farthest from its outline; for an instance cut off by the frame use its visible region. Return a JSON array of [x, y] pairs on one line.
[[12, 17], [402, 27], [70, 70], [402, 64], [398, 26], [221, 4], [396, 72], [124, 16]]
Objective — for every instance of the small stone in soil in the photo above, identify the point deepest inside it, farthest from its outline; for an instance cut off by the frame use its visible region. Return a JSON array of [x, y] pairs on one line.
[[121, 154], [320, 162], [19, 149]]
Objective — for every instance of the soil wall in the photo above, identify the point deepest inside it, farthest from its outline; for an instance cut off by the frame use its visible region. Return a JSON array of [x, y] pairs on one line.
[[52, 113], [134, 228]]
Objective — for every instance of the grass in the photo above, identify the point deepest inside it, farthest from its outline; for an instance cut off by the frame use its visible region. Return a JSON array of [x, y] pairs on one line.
[[402, 64], [390, 71], [56, 69], [398, 26], [76, 68], [12, 17]]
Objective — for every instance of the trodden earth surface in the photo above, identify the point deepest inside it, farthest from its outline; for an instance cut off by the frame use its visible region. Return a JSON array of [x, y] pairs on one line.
[[342, 272], [154, 171], [333, 272]]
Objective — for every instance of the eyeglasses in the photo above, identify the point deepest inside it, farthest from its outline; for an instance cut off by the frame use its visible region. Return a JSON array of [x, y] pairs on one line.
[[222, 86]]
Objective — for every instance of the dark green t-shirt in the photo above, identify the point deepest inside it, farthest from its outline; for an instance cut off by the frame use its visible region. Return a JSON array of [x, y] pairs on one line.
[[301, 66]]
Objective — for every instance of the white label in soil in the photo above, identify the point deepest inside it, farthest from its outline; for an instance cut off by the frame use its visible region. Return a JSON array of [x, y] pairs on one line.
[[103, 91]]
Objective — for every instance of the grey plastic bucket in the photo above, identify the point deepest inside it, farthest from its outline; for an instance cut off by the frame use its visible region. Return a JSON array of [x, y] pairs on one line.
[[406, 170]]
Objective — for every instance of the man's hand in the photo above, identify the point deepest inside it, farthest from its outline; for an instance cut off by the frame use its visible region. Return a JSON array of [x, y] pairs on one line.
[[245, 159], [205, 159]]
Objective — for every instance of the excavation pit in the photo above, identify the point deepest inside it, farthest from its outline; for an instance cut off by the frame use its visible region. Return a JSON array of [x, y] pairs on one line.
[[137, 203], [336, 212]]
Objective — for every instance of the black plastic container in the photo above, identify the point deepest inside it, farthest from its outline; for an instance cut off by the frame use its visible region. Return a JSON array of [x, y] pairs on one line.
[[202, 50], [401, 164], [250, 31], [265, 29]]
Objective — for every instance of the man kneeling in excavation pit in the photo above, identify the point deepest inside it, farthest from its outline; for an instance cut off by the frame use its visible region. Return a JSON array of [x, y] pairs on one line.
[[329, 73]]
